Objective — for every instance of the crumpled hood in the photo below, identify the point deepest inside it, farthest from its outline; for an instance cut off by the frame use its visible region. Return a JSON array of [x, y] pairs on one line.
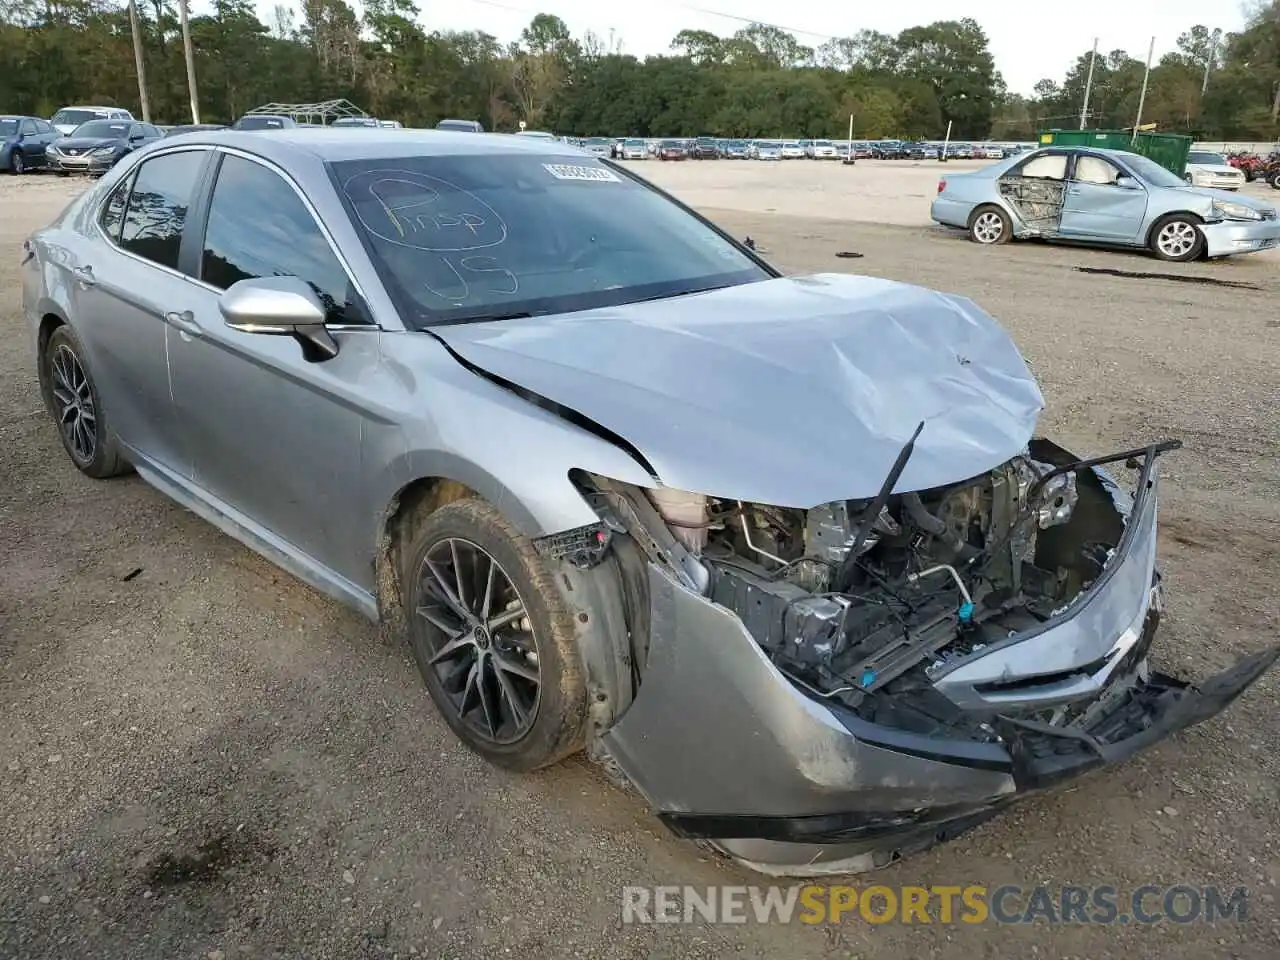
[[792, 392]]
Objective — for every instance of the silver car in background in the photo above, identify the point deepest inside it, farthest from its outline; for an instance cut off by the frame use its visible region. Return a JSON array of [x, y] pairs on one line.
[[785, 553], [1106, 197]]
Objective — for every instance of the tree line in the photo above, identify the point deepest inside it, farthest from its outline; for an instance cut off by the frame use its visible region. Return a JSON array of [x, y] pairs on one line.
[[758, 82]]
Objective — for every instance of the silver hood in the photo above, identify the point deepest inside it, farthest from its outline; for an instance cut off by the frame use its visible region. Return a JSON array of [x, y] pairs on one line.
[[792, 392]]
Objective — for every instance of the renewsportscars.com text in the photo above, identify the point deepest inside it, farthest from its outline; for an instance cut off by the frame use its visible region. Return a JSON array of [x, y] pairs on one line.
[[972, 904]]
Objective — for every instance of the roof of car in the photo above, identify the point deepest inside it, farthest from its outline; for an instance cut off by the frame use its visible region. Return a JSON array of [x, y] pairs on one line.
[[330, 144]]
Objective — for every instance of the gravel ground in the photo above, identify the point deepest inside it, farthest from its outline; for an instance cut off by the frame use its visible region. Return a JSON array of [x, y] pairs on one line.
[[203, 758]]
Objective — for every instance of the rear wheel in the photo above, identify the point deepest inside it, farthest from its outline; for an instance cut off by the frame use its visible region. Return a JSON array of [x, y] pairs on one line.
[[1177, 238], [492, 638], [72, 397], [990, 225]]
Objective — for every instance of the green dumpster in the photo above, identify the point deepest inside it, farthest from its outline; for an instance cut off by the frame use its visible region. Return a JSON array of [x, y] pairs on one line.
[[1170, 150]]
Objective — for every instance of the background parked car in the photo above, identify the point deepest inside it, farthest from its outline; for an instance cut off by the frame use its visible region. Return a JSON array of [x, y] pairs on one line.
[[264, 121], [672, 150], [356, 122], [68, 118], [1107, 197], [634, 149], [463, 126], [23, 141], [97, 146], [1212, 170], [704, 148]]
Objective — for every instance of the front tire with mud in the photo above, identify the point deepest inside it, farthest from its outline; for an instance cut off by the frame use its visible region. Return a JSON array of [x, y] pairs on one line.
[[492, 637], [990, 225], [1177, 238]]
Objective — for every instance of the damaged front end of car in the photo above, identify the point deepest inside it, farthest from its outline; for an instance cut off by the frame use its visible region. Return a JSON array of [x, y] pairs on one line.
[[825, 690]]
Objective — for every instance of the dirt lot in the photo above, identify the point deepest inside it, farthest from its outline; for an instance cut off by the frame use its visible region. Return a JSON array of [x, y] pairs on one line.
[[203, 758]]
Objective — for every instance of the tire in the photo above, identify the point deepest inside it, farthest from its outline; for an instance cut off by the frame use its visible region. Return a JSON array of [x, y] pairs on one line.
[[17, 163], [556, 710], [1273, 179], [1177, 238], [74, 403], [1191, 181], [990, 225]]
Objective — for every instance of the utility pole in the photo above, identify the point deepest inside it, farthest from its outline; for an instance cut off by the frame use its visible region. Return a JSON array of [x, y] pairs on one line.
[[138, 61], [1142, 98], [1088, 84], [191, 62], [1214, 39]]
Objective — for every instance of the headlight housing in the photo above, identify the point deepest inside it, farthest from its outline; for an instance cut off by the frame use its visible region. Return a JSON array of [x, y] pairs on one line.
[[103, 151], [1225, 210]]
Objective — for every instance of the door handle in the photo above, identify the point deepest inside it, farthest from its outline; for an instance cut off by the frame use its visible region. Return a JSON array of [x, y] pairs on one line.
[[84, 276], [184, 322]]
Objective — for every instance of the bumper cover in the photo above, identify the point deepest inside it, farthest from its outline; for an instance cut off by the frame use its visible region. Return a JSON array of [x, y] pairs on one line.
[[728, 750], [1234, 236]]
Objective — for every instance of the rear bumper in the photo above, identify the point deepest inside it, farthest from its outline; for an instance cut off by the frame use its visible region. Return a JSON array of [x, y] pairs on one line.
[[1233, 237], [950, 213]]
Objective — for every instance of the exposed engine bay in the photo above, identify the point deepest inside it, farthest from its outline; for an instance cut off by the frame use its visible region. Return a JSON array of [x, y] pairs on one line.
[[861, 601]]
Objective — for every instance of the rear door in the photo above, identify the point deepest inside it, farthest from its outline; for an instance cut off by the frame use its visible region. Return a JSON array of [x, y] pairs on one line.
[[1096, 207], [273, 437], [125, 285]]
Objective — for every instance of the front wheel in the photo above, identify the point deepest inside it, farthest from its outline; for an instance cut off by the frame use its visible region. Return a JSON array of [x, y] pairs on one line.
[[493, 640], [1177, 238], [1273, 179], [990, 225], [17, 163]]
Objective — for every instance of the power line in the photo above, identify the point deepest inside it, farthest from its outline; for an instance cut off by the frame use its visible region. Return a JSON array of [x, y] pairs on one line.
[[754, 20]]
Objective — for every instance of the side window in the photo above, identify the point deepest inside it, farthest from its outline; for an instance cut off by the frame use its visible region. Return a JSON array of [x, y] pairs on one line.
[[147, 130], [157, 208], [43, 127], [28, 128], [258, 227], [1095, 170], [112, 215], [1051, 166]]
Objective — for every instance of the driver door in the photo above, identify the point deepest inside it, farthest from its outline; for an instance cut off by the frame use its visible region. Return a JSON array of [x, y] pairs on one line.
[[1097, 207], [275, 440]]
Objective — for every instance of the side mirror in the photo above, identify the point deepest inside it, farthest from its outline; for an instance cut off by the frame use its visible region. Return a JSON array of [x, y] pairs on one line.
[[282, 307], [1127, 183]]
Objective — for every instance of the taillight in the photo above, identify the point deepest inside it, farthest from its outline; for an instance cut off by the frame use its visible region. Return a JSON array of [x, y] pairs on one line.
[[942, 185]]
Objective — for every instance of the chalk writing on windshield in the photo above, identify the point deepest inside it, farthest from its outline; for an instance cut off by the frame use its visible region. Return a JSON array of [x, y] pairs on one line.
[[423, 212]]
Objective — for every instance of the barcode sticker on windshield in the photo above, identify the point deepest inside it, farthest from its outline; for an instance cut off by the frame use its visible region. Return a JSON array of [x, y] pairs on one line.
[[568, 171]]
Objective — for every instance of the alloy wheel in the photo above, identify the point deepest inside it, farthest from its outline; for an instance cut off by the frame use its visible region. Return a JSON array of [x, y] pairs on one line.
[[481, 640], [1176, 239], [74, 406], [988, 227], [17, 163]]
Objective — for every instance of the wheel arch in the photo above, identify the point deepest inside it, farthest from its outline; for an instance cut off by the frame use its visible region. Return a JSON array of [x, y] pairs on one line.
[[1157, 221], [594, 596]]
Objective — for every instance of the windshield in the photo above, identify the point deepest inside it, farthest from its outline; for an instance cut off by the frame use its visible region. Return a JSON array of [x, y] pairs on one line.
[[70, 118], [1150, 171], [597, 142], [1209, 158], [102, 129], [8, 128], [635, 143], [472, 237]]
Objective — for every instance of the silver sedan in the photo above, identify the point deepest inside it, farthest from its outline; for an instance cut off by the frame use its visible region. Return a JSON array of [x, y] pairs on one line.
[[786, 553], [1106, 197]]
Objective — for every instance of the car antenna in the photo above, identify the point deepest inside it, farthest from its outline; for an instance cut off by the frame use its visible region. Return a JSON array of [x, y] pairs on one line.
[[844, 575]]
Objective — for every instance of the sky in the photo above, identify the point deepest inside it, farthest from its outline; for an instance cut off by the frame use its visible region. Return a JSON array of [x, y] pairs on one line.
[[1029, 40]]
